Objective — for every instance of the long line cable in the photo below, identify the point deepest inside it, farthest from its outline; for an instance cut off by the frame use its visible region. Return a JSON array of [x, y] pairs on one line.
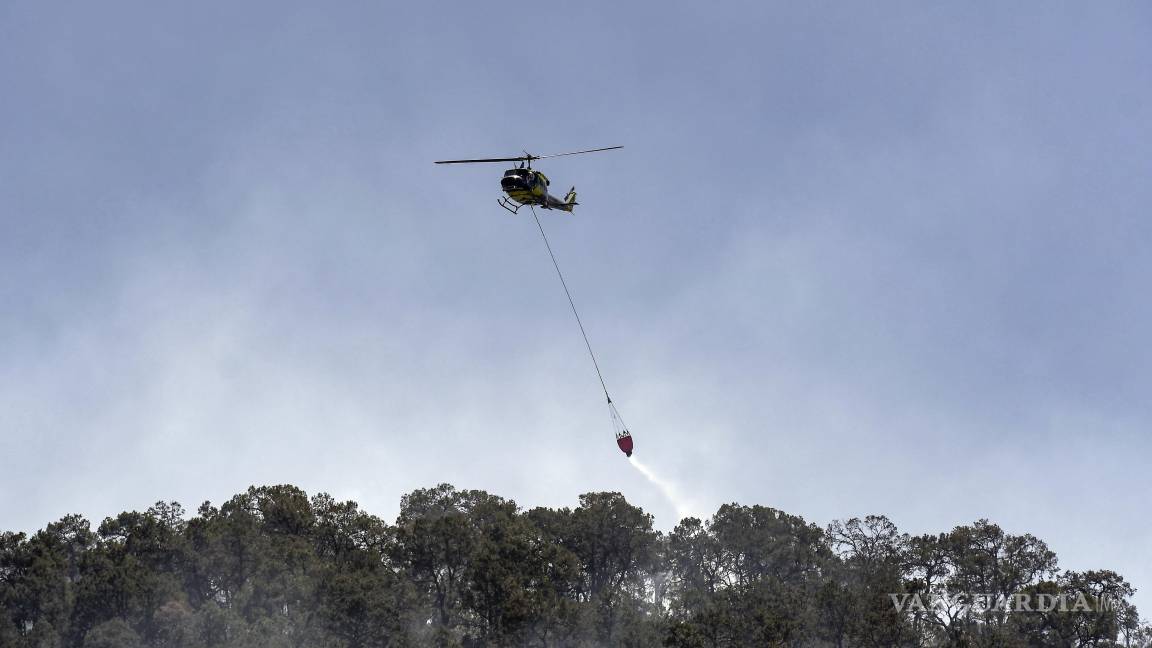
[[573, 305]]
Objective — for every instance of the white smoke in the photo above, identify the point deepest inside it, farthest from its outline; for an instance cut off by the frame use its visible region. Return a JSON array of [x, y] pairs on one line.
[[684, 507]]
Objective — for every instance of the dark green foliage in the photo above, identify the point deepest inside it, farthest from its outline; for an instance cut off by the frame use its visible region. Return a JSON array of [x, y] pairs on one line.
[[272, 568], [115, 633]]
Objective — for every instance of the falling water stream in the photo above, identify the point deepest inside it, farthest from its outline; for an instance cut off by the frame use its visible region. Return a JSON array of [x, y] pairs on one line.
[[682, 506]]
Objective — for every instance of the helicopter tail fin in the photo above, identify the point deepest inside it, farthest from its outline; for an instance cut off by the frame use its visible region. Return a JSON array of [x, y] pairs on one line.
[[570, 199]]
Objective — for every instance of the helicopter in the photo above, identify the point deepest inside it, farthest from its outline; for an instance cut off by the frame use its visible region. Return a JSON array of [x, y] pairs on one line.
[[527, 186]]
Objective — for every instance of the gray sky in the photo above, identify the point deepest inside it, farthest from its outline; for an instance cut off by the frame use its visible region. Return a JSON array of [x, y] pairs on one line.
[[853, 259]]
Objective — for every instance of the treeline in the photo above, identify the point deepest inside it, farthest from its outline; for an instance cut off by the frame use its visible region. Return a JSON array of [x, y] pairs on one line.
[[273, 567]]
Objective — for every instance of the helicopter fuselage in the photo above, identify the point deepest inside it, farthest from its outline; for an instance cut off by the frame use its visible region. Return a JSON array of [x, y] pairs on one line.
[[530, 187]]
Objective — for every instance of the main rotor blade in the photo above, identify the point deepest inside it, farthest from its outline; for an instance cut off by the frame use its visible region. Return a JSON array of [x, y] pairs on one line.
[[527, 158], [607, 148], [522, 158]]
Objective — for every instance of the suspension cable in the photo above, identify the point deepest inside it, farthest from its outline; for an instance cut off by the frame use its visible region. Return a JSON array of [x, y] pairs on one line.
[[572, 304]]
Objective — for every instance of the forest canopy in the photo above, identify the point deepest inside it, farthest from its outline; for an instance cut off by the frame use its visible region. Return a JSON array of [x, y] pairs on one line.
[[274, 567]]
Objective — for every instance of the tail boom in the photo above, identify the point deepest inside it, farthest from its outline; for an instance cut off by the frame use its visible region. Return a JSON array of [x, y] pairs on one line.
[[567, 204]]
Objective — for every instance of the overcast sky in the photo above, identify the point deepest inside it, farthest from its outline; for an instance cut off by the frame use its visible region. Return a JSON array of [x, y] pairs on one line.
[[855, 258]]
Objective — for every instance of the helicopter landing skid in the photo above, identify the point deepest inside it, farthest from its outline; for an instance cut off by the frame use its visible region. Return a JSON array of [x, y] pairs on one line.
[[509, 204]]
